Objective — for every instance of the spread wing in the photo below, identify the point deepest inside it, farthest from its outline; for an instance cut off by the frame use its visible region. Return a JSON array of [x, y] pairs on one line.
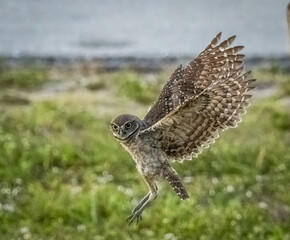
[[198, 102], [173, 94], [184, 83]]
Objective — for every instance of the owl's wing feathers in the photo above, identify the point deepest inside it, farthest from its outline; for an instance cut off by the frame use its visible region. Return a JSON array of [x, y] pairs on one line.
[[173, 94], [198, 102], [202, 71]]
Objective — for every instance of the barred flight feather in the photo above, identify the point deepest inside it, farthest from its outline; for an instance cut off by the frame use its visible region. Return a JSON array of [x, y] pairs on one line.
[[200, 101]]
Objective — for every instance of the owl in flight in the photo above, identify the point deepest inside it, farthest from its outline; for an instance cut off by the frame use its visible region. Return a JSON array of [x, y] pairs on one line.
[[195, 105]]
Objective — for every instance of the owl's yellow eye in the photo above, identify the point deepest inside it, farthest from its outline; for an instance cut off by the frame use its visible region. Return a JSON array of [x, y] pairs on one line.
[[128, 125], [115, 127]]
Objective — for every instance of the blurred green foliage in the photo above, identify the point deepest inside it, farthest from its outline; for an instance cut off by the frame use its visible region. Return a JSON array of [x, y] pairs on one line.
[[23, 77], [63, 176], [274, 74], [135, 87]]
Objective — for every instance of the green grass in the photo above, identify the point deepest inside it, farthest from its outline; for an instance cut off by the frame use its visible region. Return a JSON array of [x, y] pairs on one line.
[[136, 87], [23, 77], [63, 176], [274, 74]]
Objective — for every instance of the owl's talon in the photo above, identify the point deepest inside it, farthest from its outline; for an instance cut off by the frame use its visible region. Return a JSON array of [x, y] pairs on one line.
[[134, 216]]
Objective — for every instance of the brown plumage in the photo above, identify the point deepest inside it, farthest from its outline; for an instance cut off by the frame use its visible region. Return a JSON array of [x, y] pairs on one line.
[[195, 105]]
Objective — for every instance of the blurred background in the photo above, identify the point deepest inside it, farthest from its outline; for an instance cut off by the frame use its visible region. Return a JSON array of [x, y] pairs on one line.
[[68, 67]]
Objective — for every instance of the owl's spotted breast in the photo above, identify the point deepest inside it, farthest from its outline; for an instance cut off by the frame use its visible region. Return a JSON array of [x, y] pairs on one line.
[[150, 159]]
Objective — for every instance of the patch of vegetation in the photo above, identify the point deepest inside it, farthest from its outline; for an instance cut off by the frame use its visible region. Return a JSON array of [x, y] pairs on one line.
[[276, 75], [137, 87], [63, 176], [13, 98], [24, 78], [96, 85]]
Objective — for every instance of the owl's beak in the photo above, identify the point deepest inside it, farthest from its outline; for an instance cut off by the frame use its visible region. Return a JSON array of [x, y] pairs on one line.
[[115, 135], [119, 134], [120, 138], [122, 134]]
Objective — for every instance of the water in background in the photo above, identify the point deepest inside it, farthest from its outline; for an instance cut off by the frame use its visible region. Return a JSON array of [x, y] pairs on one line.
[[143, 28]]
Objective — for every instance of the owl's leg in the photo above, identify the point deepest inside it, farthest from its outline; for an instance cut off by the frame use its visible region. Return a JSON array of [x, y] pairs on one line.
[[172, 177], [150, 196], [143, 200]]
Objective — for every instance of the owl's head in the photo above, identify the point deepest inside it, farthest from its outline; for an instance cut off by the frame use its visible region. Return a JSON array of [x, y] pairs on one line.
[[125, 126]]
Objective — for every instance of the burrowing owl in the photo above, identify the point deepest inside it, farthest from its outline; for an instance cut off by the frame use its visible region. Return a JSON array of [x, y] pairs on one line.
[[197, 103]]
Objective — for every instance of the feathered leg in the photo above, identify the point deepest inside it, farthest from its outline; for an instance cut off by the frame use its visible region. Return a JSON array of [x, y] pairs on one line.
[[175, 182]]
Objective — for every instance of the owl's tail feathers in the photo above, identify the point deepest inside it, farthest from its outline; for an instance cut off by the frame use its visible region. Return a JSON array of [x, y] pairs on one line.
[[175, 182]]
